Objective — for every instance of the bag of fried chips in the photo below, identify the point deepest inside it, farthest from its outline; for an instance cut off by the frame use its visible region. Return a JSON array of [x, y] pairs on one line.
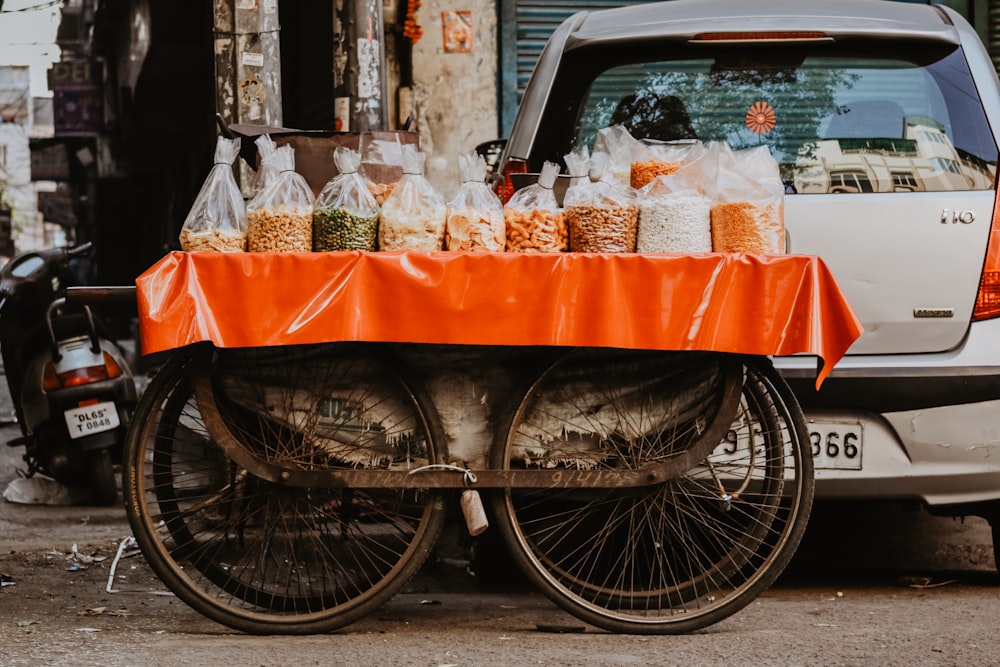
[[475, 218]]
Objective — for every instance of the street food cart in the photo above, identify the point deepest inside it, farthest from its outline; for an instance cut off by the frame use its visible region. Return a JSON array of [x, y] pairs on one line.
[[292, 464]]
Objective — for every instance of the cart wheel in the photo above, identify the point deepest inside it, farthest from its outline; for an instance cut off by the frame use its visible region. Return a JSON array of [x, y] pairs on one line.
[[671, 557], [266, 558]]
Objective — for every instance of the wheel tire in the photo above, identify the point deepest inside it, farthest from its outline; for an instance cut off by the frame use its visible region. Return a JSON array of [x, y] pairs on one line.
[[265, 558], [673, 557], [101, 481]]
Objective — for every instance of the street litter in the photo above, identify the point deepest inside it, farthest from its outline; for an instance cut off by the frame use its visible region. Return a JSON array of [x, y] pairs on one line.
[[6, 580], [79, 561], [128, 543], [39, 490]]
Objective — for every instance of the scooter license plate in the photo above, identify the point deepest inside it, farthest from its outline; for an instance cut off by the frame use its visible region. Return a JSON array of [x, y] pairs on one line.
[[90, 419]]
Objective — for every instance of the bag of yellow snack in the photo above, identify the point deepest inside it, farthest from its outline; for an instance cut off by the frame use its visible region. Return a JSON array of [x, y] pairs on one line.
[[218, 218], [475, 214], [535, 222]]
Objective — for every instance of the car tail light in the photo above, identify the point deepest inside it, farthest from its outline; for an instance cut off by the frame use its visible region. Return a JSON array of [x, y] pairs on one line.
[[505, 188], [763, 36], [75, 377], [988, 298]]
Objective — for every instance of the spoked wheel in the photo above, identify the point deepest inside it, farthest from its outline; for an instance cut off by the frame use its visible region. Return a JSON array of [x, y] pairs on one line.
[[678, 555], [264, 557]]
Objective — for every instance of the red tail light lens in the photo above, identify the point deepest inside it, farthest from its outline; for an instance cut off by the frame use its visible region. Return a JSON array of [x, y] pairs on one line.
[[80, 376], [988, 298], [514, 165]]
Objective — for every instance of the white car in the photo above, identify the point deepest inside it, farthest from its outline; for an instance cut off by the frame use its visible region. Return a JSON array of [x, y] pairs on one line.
[[885, 120]]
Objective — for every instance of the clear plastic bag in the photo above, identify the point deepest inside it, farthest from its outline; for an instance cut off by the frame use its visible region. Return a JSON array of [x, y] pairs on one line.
[[619, 144], [661, 158], [675, 212], [217, 221], [413, 215], [535, 222], [475, 219], [279, 218], [601, 216], [748, 213], [265, 149], [346, 214]]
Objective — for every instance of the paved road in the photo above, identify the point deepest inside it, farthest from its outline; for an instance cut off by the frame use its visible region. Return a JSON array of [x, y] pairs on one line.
[[871, 585]]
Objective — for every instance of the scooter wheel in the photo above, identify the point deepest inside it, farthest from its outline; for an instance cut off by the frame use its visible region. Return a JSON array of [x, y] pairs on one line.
[[101, 481]]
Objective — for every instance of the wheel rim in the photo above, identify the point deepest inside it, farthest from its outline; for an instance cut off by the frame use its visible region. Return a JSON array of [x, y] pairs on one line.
[[667, 558], [263, 557]]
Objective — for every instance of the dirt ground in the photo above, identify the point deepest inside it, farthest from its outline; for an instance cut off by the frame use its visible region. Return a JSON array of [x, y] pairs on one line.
[[869, 586]]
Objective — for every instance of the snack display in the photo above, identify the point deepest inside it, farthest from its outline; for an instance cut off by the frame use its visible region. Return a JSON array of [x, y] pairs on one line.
[[675, 222], [215, 240], [413, 215], [280, 218], [644, 171], [217, 221], [748, 209], [345, 216], [534, 221], [600, 216], [747, 227], [475, 219]]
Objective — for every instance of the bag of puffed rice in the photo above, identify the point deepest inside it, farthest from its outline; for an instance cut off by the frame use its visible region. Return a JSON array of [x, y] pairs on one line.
[[346, 215], [218, 218], [475, 214], [675, 212], [601, 216], [535, 222], [748, 210], [413, 215], [279, 218]]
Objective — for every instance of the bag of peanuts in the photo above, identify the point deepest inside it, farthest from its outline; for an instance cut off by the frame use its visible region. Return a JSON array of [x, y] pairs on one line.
[[413, 215], [675, 212], [535, 222], [218, 218], [345, 216], [475, 219], [748, 210], [279, 218], [265, 148], [651, 158], [600, 216]]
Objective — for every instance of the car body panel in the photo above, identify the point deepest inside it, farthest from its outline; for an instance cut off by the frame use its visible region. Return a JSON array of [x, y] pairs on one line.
[[923, 382]]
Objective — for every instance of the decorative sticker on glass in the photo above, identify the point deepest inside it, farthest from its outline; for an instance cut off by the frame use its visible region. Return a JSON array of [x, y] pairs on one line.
[[760, 117]]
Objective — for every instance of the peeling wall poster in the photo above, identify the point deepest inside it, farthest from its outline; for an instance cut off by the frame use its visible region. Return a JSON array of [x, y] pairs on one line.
[[457, 31]]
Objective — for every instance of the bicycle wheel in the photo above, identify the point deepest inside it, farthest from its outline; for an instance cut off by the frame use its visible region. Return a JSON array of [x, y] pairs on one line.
[[675, 556], [267, 558]]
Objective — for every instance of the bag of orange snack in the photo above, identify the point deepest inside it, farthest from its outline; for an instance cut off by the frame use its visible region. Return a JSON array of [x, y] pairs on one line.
[[535, 222]]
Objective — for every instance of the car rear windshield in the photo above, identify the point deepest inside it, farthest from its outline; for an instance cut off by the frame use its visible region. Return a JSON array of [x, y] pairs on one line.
[[836, 123]]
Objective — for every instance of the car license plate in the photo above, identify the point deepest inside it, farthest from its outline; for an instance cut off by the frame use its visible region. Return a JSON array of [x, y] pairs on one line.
[[90, 419], [835, 445]]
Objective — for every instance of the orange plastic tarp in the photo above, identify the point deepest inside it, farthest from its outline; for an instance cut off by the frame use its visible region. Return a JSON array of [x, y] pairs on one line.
[[762, 305]]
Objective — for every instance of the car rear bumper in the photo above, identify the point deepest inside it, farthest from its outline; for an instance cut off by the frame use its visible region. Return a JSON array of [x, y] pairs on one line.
[[930, 422]]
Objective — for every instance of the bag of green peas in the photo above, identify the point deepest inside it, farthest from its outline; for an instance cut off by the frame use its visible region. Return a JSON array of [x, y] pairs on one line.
[[346, 215]]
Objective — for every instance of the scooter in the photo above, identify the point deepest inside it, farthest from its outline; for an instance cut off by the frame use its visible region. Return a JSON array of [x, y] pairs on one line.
[[70, 383]]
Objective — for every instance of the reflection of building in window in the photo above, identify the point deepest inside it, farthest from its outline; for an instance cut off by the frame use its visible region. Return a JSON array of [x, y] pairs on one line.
[[850, 181], [923, 159]]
